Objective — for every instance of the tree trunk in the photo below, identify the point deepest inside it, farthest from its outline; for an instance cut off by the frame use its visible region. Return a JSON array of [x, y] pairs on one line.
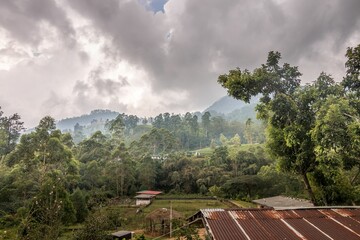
[[122, 179], [355, 177], [309, 189]]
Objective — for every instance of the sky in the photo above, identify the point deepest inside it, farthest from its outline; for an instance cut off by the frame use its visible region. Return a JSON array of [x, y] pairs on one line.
[[65, 58]]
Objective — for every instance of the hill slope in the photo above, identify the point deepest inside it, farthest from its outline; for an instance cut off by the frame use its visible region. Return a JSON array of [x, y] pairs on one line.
[[87, 119], [233, 109]]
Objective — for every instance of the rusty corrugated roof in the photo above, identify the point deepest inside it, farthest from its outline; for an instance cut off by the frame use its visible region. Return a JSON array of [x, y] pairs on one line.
[[315, 223]]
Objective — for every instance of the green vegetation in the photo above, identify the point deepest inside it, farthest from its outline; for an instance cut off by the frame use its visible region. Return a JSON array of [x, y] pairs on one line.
[[312, 130], [244, 204], [205, 151], [55, 184]]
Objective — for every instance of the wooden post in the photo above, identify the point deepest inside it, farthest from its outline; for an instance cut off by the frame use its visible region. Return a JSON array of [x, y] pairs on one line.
[[170, 219]]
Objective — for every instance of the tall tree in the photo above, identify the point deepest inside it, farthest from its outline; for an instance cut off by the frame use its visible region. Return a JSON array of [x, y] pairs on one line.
[[332, 135], [352, 79], [97, 148], [44, 171], [158, 121], [117, 127], [130, 122], [309, 127], [10, 128], [121, 170], [157, 141], [285, 106], [205, 121], [236, 140], [248, 131]]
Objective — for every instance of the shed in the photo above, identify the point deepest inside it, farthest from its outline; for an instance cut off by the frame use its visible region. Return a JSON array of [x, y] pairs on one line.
[[159, 220], [282, 202], [144, 199], [122, 235]]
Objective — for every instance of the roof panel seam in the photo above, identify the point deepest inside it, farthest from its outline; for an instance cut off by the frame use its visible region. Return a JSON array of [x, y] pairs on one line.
[[208, 227], [238, 224], [293, 229], [344, 226], [317, 228]]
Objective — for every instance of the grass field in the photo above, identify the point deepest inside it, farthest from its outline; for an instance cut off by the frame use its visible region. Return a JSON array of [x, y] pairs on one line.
[[205, 151], [131, 220], [244, 204], [232, 149], [186, 207], [182, 196]]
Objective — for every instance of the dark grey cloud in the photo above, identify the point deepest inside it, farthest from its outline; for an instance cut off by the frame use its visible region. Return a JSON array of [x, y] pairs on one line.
[[84, 57], [96, 94], [309, 23], [133, 30], [106, 86], [244, 31], [99, 91], [210, 37], [23, 19], [139, 37]]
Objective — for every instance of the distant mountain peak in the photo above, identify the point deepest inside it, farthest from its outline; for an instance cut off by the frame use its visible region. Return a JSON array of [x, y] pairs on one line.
[[227, 104]]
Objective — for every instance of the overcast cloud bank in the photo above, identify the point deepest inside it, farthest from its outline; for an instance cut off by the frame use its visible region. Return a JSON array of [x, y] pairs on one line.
[[68, 57]]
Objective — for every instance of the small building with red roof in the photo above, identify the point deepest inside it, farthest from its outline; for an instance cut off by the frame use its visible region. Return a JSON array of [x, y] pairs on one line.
[[149, 192], [146, 197]]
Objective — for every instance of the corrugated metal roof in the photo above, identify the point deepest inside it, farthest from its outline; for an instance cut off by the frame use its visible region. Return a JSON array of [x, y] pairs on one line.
[[283, 202], [149, 192], [313, 223]]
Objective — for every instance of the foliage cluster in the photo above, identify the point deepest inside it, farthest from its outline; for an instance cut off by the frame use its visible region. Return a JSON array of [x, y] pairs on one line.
[[312, 130]]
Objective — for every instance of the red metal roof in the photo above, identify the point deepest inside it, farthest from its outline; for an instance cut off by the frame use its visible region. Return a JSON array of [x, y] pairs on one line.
[[144, 196], [331, 223], [149, 192]]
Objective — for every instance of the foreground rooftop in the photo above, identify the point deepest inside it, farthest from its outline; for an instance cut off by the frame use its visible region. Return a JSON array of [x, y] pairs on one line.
[[309, 223]]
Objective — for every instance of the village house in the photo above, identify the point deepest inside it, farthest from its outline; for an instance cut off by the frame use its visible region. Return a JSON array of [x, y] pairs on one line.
[[145, 197]]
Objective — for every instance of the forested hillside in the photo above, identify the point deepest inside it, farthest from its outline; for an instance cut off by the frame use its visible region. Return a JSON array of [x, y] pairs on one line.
[[48, 180], [95, 117], [51, 179], [233, 109], [227, 108]]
